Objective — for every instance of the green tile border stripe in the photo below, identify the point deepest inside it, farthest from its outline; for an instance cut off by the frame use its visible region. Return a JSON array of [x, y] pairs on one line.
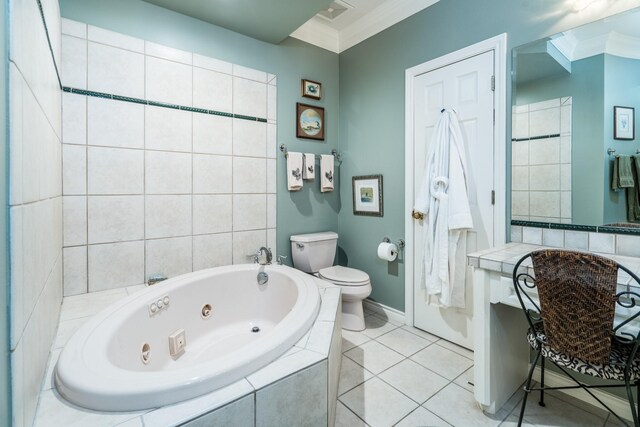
[[46, 31], [161, 104], [633, 231]]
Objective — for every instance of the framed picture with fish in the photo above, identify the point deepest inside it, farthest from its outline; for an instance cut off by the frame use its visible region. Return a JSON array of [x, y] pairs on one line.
[[311, 89], [309, 121], [367, 195]]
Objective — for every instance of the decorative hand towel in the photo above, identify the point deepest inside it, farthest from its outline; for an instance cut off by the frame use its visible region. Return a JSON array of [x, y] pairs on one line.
[[309, 171], [326, 172], [294, 171], [622, 174]]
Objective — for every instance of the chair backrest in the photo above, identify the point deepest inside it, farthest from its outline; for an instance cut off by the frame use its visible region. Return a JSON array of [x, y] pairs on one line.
[[577, 294]]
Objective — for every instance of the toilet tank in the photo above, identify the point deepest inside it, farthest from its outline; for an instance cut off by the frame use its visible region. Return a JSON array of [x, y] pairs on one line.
[[312, 252]]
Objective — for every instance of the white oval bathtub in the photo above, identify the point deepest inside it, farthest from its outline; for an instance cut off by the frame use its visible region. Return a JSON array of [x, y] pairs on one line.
[[101, 367]]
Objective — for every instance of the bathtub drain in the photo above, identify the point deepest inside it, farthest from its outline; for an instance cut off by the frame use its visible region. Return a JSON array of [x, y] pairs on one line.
[[255, 329]]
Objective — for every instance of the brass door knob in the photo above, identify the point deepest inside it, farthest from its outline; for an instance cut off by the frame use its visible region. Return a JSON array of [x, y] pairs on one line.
[[417, 215]]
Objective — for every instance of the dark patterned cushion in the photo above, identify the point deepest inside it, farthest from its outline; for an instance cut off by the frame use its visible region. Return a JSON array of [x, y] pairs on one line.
[[614, 370]]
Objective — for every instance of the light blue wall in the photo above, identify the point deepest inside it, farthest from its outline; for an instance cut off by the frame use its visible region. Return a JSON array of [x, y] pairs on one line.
[[586, 85], [298, 212], [5, 385], [622, 88], [372, 108]]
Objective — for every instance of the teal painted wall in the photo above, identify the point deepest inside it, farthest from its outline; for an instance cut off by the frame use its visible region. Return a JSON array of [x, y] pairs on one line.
[[586, 85], [5, 367], [622, 88], [372, 107], [304, 211]]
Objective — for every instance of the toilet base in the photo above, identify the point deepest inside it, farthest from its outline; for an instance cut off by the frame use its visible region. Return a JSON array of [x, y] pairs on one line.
[[352, 315]]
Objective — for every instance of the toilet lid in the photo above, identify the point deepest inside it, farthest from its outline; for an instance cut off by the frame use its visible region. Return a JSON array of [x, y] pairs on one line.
[[344, 276]]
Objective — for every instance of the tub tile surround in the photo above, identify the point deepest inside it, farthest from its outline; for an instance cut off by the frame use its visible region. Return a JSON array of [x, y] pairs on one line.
[[304, 380], [168, 160], [541, 159], [35, 198]]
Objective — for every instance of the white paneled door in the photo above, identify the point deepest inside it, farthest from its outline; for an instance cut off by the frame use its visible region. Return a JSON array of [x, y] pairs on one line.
[[467, 87]]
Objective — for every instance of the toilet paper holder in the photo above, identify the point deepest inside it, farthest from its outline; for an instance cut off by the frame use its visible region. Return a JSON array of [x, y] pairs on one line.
[[399, 243]]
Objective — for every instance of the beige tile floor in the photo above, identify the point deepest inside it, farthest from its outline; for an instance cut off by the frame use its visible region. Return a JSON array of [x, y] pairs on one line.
[[394, 375]]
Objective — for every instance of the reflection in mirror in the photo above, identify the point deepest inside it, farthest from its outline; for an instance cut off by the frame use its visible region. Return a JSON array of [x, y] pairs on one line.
[[564, 91]]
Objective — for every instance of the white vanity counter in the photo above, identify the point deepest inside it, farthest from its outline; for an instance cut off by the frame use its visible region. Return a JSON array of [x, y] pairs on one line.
[[501, 350]]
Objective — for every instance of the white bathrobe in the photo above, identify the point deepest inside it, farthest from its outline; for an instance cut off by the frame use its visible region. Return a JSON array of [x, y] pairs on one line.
[[443, 198]]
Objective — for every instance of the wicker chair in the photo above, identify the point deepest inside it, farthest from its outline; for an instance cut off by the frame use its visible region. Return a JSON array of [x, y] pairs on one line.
[[573, 326]]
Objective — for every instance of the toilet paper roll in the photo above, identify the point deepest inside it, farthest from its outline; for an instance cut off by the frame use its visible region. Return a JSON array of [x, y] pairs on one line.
[[387, 251]]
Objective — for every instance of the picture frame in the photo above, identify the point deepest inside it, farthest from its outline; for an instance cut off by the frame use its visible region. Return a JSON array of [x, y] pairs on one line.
[[624, 123], [311, 89], [367, 195], [309, 121]]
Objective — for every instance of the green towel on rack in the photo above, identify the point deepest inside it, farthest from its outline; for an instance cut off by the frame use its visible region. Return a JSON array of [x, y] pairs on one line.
[[633, 198], [622, 173]]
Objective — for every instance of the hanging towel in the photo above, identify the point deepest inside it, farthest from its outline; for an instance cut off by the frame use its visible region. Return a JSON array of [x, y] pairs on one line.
[[633, 193], [294, 171], [622, 174], [444, 200], [326, 173], [309, 171]]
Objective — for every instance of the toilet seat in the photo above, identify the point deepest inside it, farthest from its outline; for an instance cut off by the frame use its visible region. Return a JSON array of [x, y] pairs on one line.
[[344, 276]]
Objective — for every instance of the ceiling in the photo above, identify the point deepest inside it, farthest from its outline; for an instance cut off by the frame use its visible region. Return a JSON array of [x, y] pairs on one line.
[[334, 25], [271, 21]]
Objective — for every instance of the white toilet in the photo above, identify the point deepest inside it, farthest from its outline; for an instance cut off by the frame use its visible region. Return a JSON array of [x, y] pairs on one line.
[[314, 253]]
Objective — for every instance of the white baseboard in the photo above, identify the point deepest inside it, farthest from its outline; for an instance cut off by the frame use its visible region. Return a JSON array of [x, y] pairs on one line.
[[553, 379], [390, 313]]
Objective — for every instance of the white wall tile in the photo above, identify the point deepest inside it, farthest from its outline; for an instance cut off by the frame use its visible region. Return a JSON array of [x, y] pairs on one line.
[[212, 134], [271, 210], [249, 138], [115, 265], [116, 71], [75, 220], [541, 105], [212, 90], [115, 123], [167, 129], [544, 122], [249, 212], [212, 250], [565, 177], [272, 240], [249, 175], [544, 203], [628, 245], [168, 81], [112, 38], [238, 413], [272, 177], [115, 171], [249, 73], [602, 242], [544, 151], [73, 70], [167, 216], [212, 174], [520, 125], [73, 28], [115, 218], [246, 244], [74, 118], [212, 214], [520, 178], [167, 173], [576, 240], [520, 153], [272, 149], [166, 52], [168, 257], [212, 64], [249, 98], [272, 103], [74, 165], [553, 238], [565, 149], [75, 270], [520, 203], [565, 119], [516, 233], [532, 235], [16, 134], [544, 177], [565, 204]]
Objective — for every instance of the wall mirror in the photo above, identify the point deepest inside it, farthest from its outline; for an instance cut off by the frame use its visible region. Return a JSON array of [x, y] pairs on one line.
[[565, 88]]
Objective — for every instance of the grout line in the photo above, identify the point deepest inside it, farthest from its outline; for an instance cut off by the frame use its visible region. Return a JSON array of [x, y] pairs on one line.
[[46, 32]]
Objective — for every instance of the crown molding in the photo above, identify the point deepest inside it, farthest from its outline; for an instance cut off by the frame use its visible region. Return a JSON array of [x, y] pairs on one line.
[[612, 43], [382, 17]]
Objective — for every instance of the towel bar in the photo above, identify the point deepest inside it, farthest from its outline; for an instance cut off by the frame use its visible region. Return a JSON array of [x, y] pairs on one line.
[[334, 153]]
